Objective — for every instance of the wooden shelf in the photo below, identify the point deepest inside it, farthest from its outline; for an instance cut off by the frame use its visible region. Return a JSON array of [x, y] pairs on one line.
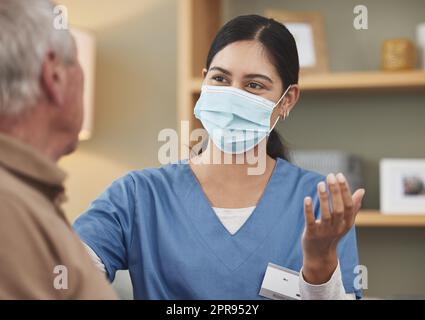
[[364, 81], [373, 218], [349, 81]]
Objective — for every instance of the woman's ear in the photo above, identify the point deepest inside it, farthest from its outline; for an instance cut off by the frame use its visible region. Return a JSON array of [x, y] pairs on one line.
[[290, 100], [204, 73]]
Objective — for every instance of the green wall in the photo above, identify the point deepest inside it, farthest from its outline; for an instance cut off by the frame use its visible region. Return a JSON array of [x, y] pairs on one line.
[[372, 125]]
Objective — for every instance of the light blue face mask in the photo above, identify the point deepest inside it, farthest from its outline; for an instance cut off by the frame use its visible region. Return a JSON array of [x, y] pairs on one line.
[[235, 120]]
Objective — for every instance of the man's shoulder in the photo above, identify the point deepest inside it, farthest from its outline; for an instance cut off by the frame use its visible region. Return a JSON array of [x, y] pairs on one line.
[[22, 207], [35, 245], [28, 220], [15, 212], [14, 191]]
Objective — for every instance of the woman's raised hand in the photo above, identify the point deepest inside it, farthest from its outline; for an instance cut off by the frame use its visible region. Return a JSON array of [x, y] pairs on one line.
[[321, 236]]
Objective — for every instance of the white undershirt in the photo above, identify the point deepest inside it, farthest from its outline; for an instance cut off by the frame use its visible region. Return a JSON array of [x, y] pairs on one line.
[[233, 220]]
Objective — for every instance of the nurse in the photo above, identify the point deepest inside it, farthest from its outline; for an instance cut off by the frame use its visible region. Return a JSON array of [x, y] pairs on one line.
[[201, 230]]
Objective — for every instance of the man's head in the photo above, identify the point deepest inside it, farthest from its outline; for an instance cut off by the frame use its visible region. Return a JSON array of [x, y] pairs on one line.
[[41, 80]]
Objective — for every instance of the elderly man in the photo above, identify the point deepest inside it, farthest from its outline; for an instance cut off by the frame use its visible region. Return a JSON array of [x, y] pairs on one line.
[[41, 87]]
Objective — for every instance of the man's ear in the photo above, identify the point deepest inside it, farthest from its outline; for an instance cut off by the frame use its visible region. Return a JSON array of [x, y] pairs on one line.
[[53, 79], [204, 73]]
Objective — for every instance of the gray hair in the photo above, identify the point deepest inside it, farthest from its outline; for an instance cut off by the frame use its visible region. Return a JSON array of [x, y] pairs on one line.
[[27, 34]]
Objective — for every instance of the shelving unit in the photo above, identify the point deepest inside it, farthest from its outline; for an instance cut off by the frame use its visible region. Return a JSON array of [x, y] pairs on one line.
[[369, 81], [199, 21], [372, 218], [351, 81]]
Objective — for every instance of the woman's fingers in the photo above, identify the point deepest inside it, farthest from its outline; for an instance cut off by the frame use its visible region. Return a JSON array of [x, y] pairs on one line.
[[336, 197], [357, 200], [344, 205], [346, 194], [324, 202], [310, 220], [357, 204]]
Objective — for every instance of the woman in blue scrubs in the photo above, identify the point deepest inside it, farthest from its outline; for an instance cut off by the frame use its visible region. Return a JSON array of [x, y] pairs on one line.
[[201, 230]]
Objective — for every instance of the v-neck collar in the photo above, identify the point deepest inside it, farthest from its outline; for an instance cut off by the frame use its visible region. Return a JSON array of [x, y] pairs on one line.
[[233, 250]]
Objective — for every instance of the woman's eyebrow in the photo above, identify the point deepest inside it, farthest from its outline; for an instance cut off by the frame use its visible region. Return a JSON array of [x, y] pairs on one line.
[[221, 70], [248, 76], [257, 75]]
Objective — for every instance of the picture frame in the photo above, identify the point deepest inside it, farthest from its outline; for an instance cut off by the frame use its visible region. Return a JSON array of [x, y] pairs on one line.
[[402, 186], [309, 32]]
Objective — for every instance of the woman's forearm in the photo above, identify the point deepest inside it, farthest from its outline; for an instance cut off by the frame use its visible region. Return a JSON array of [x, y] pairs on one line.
[[332, 289], [319, 269]]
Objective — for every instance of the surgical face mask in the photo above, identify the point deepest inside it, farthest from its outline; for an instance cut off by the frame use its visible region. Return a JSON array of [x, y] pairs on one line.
[[235, 120]]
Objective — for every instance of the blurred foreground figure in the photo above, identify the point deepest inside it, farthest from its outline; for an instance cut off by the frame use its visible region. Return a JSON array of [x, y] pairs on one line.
[[41, 108]]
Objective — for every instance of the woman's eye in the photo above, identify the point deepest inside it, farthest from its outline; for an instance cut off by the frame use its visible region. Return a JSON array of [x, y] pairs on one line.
[[255, 86], [219, 78]]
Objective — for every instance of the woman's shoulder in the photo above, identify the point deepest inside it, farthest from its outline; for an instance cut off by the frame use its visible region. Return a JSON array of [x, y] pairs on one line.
[[168, 174]]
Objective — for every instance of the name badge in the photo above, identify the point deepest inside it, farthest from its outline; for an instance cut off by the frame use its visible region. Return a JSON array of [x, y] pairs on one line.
[[280, 283]]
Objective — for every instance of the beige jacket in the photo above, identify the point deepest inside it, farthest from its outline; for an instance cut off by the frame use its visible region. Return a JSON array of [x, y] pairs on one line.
[[40, 256]]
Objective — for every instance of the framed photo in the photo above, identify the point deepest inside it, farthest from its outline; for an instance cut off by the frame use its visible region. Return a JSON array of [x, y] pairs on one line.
[[402, 186], [309, 33]]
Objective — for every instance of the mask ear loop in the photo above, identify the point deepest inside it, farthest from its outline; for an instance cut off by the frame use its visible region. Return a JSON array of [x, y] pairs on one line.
[[277, 103]]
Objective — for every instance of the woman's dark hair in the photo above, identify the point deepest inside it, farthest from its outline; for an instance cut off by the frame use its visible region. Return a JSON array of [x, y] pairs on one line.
[[281, 48]]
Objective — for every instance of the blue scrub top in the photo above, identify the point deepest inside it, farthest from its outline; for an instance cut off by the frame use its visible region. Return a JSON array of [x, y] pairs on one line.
[[158, 224]]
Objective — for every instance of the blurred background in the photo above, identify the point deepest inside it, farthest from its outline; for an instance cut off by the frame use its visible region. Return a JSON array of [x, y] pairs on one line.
[[148, 64]]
